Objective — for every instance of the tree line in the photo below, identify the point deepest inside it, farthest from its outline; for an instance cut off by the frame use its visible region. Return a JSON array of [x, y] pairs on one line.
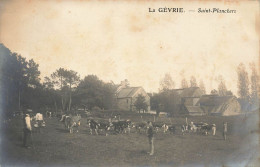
[[63, 90], [168, 100]]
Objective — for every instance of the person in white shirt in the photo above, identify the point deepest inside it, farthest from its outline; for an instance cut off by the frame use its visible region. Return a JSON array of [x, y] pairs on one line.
[[214, 128], [27, 131]]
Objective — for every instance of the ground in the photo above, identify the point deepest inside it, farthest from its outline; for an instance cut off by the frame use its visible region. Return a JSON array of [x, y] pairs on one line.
[[54, 146]]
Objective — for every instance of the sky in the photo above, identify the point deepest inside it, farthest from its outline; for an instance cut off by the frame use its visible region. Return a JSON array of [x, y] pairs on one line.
[[118, 40]]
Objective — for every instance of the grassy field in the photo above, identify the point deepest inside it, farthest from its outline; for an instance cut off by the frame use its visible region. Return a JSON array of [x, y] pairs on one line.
[[56, 147]]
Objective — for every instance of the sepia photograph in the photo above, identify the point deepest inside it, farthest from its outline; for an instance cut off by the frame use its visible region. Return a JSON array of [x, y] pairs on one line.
[[129, 83]]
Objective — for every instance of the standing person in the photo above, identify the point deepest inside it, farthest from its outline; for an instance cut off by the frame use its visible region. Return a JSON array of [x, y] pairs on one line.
[[225, 131], [214, 128], [27, 131], [150, 137]]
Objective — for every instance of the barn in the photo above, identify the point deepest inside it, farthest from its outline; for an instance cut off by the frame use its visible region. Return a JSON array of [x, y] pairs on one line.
[[190, 101], [220, 105], [126, 97]]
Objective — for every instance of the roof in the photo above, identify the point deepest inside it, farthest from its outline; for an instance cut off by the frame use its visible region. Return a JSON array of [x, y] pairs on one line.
[[127, 92], [194, 109], [188, 92], [214, 100]]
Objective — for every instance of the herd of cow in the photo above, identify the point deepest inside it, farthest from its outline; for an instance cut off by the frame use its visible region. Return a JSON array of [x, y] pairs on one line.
[[96, 126]]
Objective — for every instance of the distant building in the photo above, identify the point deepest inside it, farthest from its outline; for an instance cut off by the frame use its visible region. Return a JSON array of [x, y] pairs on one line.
[[220, 105], [190, 100], [126, 97]]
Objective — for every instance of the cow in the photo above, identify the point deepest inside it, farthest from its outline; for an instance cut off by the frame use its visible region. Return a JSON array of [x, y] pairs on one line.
[[172, 129], [157, 126], [207, 128], [104, 126], [93, 125], [183, 129], [165, 128], [48, 114], [199, 125], [63, 117], [139, 126], [71, 121], [120, 126], [39, 122]]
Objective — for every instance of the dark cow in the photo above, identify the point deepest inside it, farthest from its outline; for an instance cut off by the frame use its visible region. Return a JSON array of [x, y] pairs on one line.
[[93, 125], [206, 128], [104, 126], [48, 114], [158, 125], [120, 126], [172, 129], [197, 127], [63, 117]]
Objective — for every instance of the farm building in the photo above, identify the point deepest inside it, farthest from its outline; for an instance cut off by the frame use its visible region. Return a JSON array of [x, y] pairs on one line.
[[189, 96], [220, 105], [189, 92], [194, 110], [126, 97], [190, 100]]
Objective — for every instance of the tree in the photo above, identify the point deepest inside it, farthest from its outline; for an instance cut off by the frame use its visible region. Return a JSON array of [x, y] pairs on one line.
[[222, 89], [140, 103], [170, 102], [229, 93], [243, 82], [58, 78], [184, 83], [17, 75], [166, 83], [254, 87], [193, 82], [155, 102], [93, 92], [202, 87], [48, 84], [33, 74], [72, 79], [214, 92], [50, 93], [243, 87]]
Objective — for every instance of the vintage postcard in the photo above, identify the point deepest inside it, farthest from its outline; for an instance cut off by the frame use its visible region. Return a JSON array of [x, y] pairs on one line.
[[129, 83]]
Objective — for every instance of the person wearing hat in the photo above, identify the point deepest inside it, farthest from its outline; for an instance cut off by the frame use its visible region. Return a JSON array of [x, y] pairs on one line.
[[27, 131], [150, 133]]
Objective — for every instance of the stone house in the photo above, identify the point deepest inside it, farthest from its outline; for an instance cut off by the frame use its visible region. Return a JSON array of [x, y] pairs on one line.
[[126, 97]]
